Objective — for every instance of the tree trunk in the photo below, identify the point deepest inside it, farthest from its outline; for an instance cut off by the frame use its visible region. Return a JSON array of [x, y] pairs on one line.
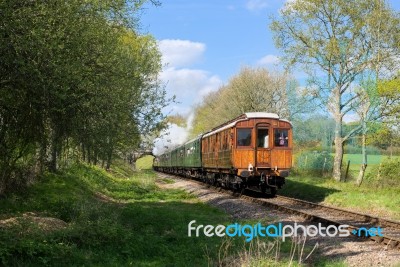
[[108, 165], [109, 158], [361, 174], [53, 160], [42, 155], [83, 152], [88, 157], [95, 156], [134, 165], [54, 150], [364, 154], [337, 164]]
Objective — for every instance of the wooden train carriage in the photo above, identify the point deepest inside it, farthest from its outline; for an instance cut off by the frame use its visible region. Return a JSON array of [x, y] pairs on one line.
[[255, 147]]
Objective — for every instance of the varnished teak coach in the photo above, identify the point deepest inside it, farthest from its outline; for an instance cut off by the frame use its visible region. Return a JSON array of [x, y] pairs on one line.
[[252, 150]]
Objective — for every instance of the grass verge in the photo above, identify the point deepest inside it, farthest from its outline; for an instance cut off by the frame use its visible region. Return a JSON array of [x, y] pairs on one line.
[[367, 199], [120, 218]]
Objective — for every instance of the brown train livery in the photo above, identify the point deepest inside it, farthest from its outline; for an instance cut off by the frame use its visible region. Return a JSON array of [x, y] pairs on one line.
[[252, 150]]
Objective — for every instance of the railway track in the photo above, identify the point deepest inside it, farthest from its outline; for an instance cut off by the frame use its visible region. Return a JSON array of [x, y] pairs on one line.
[[327, 215]]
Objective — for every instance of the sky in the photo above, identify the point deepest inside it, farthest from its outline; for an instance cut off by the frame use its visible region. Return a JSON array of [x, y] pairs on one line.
[[204, 43]]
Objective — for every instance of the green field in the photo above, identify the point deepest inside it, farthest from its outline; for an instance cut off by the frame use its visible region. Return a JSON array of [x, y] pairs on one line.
[[372, 160]]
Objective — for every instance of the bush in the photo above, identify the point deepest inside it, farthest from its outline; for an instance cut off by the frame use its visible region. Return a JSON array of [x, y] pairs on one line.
[[385, 174], [16, 178], [314, 162]]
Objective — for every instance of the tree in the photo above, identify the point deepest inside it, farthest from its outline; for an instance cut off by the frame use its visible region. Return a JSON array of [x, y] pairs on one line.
[[368, 110], [74, 76], [251, 90], [337, 42], [378, 102], [389, 92], [313, 132], [384, 136]]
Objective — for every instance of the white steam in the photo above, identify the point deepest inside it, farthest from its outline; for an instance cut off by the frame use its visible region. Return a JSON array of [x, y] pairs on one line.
[[173, 136]]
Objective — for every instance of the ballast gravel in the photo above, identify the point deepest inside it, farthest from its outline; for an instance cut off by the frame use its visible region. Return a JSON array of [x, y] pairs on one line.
[[354, 252]]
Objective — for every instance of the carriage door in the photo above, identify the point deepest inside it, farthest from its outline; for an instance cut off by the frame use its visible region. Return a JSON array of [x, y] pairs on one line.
[[263, 144]]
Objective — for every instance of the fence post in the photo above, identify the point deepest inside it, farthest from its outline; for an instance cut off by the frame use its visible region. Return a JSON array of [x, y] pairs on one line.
[[379, 171], [347, 170], [323, 167]]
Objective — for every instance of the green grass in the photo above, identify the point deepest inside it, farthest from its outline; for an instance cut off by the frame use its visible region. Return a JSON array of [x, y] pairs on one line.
[[379, 202], [356, 161], [149, 230], [372, 159], [367, 198], [145, 163], [119, 218]]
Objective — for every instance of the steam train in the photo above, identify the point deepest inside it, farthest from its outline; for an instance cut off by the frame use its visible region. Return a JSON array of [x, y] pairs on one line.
[[252, 150]]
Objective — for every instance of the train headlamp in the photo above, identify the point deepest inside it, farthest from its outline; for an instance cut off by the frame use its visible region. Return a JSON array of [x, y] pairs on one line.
[[250, 168]]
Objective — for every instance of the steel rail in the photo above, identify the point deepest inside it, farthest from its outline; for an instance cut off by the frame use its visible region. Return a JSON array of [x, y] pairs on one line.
[[372, 221]]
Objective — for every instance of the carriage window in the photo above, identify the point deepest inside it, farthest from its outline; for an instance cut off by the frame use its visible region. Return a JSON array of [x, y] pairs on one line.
[[281, 138], [262, 138], [243, 137]]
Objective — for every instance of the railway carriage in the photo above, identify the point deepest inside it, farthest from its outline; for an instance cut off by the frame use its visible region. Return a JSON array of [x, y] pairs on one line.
[[252, 150]]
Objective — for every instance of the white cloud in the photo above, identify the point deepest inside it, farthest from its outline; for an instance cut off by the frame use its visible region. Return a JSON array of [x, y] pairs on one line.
[[189, 85], [180, 53], [268, 60], [256, 4], [351, 117]]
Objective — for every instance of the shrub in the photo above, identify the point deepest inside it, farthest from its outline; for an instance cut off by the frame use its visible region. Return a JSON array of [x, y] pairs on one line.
[[385, 174], [314, 162]]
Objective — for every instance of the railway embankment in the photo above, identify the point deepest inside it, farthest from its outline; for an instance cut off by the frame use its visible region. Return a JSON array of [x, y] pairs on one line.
[[84, 215]]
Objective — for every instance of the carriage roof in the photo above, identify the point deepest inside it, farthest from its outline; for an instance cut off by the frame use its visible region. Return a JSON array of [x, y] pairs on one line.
[[245, 116]]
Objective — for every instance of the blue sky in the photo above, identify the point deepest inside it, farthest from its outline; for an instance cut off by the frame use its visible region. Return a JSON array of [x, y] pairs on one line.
[[204, 43]]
